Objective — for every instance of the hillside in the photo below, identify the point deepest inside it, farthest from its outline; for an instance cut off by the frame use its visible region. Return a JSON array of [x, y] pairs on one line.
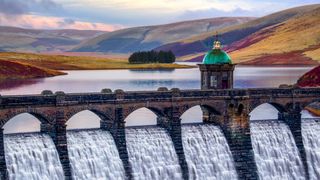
[[17, 70], [287, 37], [310, 79], [149, 37], [62, 62], [30, 40]]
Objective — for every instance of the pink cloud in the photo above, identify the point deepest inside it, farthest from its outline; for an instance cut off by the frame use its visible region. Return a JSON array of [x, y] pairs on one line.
[[44, 22]]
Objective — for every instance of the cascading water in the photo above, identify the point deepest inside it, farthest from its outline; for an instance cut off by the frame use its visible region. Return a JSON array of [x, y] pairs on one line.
[[275, 152], [311, 141], [152, 154], [93, 155], [207, 153], [32, 156]]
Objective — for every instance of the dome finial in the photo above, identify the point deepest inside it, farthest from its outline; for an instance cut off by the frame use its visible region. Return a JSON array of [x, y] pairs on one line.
[[216, 43]]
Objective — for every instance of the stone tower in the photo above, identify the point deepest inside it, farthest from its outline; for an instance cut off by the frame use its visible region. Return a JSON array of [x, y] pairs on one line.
[[216, 69]]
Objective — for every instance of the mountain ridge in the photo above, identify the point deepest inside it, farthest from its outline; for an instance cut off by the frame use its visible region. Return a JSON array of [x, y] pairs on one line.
[[37, 40], [149, 37], [240, 38]]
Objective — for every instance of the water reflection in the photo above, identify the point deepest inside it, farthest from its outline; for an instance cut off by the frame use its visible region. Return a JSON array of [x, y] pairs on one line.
[[94, 81]]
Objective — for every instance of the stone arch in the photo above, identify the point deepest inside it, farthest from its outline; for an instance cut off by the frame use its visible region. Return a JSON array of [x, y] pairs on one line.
[[268, 113], [127, 111], [308, 103], [104, 117], [206, 110], [240, 109], [44, 117], [310, 109], [281, 108], [99, 112], [204, 107], [152, 112]]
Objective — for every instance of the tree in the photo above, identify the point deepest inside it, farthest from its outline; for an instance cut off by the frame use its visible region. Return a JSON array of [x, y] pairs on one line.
[[152, 57]]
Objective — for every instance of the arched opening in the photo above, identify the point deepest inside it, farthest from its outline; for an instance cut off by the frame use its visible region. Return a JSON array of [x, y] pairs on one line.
[[141, 117], [240, 109], [22, 123], [84, 120], [264, 111], [311, 111], [270, 136], [30, 155], [192, 115], [197, 113]]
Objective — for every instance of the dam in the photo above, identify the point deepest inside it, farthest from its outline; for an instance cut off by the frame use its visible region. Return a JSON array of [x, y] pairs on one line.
[[238, 152]]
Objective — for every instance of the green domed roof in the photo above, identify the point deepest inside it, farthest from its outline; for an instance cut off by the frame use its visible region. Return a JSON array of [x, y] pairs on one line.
[[217, 55]]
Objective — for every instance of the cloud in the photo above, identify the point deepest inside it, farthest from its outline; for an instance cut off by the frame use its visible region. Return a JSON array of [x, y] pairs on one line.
[[20, 7], [213, 12], [43, 22]]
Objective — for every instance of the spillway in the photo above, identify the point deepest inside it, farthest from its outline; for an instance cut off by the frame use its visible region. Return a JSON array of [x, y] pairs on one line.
[[275, 152], [311, 141], [93, 155], [32, 156], [207, 153], [152, 154]]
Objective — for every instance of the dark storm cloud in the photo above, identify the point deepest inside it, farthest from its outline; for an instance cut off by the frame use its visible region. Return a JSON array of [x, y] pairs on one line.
[[19, 7]]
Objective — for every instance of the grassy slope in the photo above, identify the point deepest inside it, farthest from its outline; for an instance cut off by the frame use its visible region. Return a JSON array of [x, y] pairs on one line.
[[34, 40], [17, 70], [292, 38], [149, 37], [273, 39], [310, 79], [59, 62]]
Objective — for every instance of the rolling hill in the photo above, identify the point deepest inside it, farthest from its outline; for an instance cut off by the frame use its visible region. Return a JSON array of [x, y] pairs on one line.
[[310, 79], [18, 70], [149, 37], [31, 40], [287, 37]]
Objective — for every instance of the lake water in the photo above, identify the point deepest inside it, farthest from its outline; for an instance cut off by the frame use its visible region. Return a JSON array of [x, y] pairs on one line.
[[128, 80]]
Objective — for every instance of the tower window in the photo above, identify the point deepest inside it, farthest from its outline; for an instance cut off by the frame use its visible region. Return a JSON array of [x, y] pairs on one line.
[[213, 81]]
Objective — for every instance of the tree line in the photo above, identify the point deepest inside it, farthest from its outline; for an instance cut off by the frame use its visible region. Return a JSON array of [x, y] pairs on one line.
[[143, 57]]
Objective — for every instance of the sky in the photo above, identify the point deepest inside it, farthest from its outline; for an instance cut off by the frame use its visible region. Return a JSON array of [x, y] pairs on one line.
[[110, 15]]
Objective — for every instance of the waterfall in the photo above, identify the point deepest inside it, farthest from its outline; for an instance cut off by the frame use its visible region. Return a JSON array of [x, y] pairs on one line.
[[152, 154], [275, 152], [32, 156], [93, 155], [311, 141], [207, 153]]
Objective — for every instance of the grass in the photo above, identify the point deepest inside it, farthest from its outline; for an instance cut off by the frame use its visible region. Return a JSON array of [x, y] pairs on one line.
[[27, 65], [313, 111], [17, 70], [61, 62]]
